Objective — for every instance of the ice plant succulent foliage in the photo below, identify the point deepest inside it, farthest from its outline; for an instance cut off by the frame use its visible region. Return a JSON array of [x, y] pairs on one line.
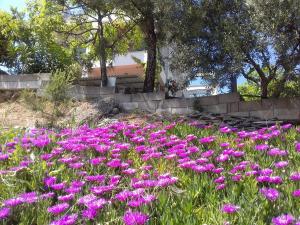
[[179, 172]]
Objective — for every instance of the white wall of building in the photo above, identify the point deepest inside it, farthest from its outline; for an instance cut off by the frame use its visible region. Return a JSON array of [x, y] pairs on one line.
[[122, 60]]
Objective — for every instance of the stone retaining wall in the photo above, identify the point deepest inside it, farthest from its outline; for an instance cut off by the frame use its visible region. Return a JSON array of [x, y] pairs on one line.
[[231, 104], [24, 81]]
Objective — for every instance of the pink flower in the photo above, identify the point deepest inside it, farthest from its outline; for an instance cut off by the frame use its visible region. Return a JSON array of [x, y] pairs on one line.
[[4, 213], [135, 218], [270, 193], [89, 214], [261, 147], [296, 193], [66, 220], [207, 140], [59, 208], [230, 208], [297, 146], [281, 164], [295, 176], [285, 219]]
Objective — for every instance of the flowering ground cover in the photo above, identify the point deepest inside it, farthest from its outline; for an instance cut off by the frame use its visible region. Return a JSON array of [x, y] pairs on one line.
[[161, 173]]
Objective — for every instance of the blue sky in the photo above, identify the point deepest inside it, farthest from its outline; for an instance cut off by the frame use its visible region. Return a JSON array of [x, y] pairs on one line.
[[6, 4]]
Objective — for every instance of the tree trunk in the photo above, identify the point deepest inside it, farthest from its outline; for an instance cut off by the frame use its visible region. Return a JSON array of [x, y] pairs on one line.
[[233, 84], [151, 41], [102, 53], [264, 88]]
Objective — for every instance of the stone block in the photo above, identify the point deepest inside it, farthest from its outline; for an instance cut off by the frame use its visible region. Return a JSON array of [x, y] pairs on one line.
[[175, 103], [155, 96], [129, 106], [286, 103], [250, 106], [263, 114], [287, 114], [220, 108], [138, 97], [207, 100], [120, 98], [229, 98], [233, 107], [166, 110], [105, 90], [239, 114], [149, 106], [267, 104], [182, 110]]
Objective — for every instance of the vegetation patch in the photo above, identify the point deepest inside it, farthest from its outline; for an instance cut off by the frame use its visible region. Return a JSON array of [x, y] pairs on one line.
[[156, 173]]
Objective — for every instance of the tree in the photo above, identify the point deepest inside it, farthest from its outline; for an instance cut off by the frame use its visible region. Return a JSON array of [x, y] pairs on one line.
[[231, 38], [98, 26], [250, 90], [149, 15], [33, 47], [7, 27]]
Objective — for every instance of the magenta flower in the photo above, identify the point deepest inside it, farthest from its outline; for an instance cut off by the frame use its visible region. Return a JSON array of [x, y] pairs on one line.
[[286, 126], [89, 214], [3, 157], [13, 202], [29, 197], [135, 218], [207, 140], [236, 177], [66, 198], [84, 200], [59, 186], [296, 193], [266, 172], [281, 164], [222, 158], [295, 176], [219, 180], [230, 208], [220, 187], [285, 219], [66, 220], [47, 195], [297, 146], [97, 161], [95, 178], [4, 213], [270, 193], [59, 208], [124, 195], [97, 204], [261, 147], [207, 154], [48, 181]]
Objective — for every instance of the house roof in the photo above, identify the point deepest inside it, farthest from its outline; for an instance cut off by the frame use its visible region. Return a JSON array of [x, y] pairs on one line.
[[119, 71]]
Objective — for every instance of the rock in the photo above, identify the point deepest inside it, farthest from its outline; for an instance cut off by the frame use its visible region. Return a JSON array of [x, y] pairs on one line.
[[115, 111]]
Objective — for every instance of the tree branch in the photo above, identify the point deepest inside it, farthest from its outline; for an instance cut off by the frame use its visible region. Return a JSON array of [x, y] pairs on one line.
[[120, 37], [256, 66], [246, 75]]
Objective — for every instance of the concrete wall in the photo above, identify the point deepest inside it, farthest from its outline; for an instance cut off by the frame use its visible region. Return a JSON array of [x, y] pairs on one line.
[[24, 81], [90, 92], [231, 104], [156, 102]]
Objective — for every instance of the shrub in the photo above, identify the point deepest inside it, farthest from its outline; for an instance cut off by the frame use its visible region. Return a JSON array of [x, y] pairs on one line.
[[34, 102], [58, 86]]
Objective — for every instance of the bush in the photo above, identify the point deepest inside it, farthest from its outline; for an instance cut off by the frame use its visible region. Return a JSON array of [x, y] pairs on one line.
[[34, 102], [57, 88]]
